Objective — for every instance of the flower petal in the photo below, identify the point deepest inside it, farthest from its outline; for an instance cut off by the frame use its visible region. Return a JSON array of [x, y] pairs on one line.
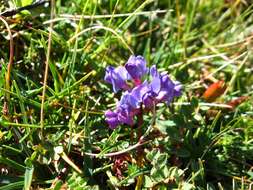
[[136, 67], [112, 119], [117, 77]]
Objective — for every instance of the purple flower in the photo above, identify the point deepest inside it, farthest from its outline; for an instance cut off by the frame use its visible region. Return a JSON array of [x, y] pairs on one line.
[[129, 99], [144, 94], [136, 67], [166, 93], [117, 77], [125, 114], [112, 119], [163, 88], [160, 89], [126, 109], [139, 91]]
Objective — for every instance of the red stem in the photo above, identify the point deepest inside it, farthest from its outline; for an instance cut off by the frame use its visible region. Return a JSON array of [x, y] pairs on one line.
[[140, 123]]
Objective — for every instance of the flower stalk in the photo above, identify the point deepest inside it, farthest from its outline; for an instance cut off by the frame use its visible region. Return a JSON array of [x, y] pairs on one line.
[[140, 152]]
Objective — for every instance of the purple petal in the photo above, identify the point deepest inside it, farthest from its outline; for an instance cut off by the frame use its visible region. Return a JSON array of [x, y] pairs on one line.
[[148, 100], [153, 71], [177, 88], [155, 85], [139, 91], [136, 67], [125, 115], [117, 77], [128, 99], [110, 113], [108, 74], [112, 119], [169, 89], [122, 72]]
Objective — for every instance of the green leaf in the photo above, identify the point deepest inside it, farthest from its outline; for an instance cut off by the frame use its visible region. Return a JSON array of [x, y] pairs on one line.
[[182, 152], [75, 181], [162, 159], [194, 102], [26, 2], [150, 155], [58, 185], [157, 158], [12, 163], [8, 179], [210, 186], [159, 174], [250, 173], [28, 175], [12, 186], [187, 186], [163, 126], [148, 182], [18, 3]]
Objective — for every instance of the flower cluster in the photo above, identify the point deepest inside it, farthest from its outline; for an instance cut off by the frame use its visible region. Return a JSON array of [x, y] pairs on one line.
[[138, 90]]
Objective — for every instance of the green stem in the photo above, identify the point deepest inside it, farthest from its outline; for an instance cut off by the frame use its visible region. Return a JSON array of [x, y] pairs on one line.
[[46, 70]]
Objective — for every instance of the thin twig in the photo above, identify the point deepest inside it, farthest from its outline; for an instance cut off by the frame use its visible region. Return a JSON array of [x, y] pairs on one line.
[[119, 152], [219, 69], [235, 75], [13, 12], [235, 43], [226, 64], [103, 28], [152, 123], [70, 162], [79, 17], [46, 69], [8, 75], [204, 104], [213, 49], [195, 59]]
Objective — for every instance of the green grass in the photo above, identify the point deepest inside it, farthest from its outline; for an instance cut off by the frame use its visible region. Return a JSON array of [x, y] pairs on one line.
[[192, 145]]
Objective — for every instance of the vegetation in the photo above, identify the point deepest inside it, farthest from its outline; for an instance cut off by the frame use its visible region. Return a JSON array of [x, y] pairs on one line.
[[53, 133]]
